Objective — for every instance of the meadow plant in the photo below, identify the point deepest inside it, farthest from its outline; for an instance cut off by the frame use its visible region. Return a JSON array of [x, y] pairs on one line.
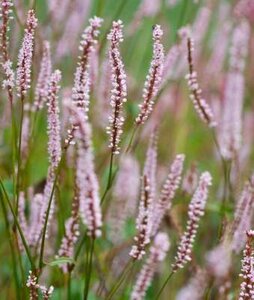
[[113, 184]]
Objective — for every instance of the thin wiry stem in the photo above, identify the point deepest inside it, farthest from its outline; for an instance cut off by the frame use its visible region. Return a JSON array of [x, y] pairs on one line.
[[89, 270], [13, 256], [18, 225], [164, 285], [121, 279]]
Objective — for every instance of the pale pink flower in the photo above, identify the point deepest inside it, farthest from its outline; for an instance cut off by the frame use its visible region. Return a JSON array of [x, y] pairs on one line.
[[195, 212], [9, 80], [6, 15], [54, 135], [25, 137], [247, 271], [231, 126], [195, 288], [42, 86], [158, 252], [81, 88], [87, 181], [25, 56], [125, 196], [119, 88], [243, 216], [171, 184], [245, 8], [154, 77], [190, 180]]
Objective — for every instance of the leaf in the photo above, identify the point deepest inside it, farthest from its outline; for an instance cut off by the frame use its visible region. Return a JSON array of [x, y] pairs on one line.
[[60, 261]]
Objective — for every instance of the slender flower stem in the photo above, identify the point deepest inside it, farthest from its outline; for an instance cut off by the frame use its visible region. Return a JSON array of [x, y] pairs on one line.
[[18, 226], [69, 286], [121, 278], [109, 178], [89, 270], [47, 212], [164, 285], [134, 131]]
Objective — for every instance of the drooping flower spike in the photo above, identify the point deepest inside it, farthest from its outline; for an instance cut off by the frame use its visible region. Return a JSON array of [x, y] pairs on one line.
[[203, 109]]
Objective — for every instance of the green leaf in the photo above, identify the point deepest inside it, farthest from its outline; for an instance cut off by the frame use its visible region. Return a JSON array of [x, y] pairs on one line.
[[60, 261]]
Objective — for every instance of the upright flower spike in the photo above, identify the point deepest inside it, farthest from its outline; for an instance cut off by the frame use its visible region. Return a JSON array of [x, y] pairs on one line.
[[54, 143], [119, 88], [154, 77], [42, 86], [230, 137], [87, 181], [168, 191], [203, 109], [80, 91], [71, 233], [195, 212], [247, 271], [157, 254], [6, 15], [243, 216], [143, 221], [25, 56]]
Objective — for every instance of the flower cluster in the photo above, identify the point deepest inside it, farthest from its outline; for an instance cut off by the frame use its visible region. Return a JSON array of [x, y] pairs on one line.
[[34, 287], [154, 77], [119, 88], [201, 106], [80, 91], [54, 143], [247, 271], [231, 127], [195, 212], [42, 86], [25, 56], [9, 80], [5, 13], [243, 216], [143, 221], [157, 254], [168, 191]]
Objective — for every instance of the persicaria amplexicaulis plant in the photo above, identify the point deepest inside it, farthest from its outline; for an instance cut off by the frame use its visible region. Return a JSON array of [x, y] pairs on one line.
[[111, 185]]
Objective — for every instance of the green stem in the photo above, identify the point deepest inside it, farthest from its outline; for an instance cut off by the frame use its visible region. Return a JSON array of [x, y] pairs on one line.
[[109, 178], [18, 226], [19, 155], [164, 285], [121, 279], [13, 256], [89, 270], [47, 213], [131, 139], [69, 286]]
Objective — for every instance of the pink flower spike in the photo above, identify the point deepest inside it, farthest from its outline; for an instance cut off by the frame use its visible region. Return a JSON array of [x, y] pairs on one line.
[[247, 271], [158, 252], [203, 109], [25, 56], [54, 143], [6, 15], [81, 88], [119, 88], [87, 181], [195, 212], [168, 191], [154, 77]]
